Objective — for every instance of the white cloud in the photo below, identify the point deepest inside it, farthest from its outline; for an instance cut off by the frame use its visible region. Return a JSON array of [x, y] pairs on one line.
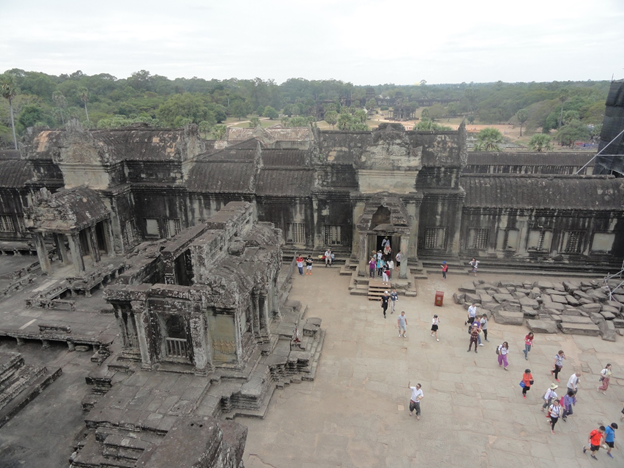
[[362, 41]]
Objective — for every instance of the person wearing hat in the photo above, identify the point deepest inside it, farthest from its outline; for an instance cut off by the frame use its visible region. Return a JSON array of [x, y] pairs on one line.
[[384, 302], [444, 269], [474, 336], [609, 437], [549, 396]]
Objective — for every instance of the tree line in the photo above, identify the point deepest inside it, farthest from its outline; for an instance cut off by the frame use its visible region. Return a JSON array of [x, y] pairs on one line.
[[573, 109]]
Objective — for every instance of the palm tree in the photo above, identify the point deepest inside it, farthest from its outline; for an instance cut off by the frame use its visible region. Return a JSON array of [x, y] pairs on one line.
[[84, 97], [8, 89], [61, 103], [522, 116]]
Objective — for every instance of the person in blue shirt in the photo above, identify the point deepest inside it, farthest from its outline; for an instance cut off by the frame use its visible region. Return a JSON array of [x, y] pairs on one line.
[[610, 437]]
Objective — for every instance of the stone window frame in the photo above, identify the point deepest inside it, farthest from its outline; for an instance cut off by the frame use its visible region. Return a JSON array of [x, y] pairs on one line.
[[296, 233], [505, 240], [177, 226], [478, 238], [543, 234], [7, 223], [573, 241], [434, 238], [148, 235], [335, 238]]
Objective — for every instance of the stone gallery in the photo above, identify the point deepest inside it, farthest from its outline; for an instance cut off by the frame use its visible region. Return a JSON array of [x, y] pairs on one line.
[[191, 241]]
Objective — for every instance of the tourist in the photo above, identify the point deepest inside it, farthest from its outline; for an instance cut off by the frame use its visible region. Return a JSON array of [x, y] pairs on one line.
[[484, 322], [527, 380], [444, 269], [435, 323], [384, 273], [379, 254], [567, 402], [394, 297], [549, 396], [558, 364], [474, 264], [574, 381], [528, 342], [380, 264], [417, 395], [474, 336], [309, 262], [391, 266], [385, 246], [502, 352], [328, 257], [609, 438], [384, 302], [300, 264], [605, 377], [402, 323], [595, 438], [472, 313], [372, 266], [397, 257], [553, 413]]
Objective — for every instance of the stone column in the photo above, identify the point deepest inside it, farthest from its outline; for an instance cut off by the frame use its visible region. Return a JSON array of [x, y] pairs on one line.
[[141, 316], [202, 358], [76, 251], [93, 246], [59, 240], [108, 238], [255, 319], [404, 256], [42, 253], [363, 263]]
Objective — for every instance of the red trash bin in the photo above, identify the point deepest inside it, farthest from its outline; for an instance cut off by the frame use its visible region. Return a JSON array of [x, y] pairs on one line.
[[439, 298]]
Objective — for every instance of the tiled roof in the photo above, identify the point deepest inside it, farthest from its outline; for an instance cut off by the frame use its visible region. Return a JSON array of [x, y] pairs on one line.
[[222, 177], [565, 192], [15, 173], [284, 157], [285, 182]]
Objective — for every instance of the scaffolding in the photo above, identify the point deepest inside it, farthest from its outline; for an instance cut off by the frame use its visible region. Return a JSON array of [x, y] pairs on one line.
[[620, 285]]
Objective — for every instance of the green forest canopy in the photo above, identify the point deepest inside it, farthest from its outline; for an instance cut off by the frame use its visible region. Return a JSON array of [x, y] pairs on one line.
[[50, 100]]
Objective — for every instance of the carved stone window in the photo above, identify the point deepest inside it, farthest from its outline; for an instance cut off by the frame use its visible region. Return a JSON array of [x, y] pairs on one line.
[[539, 240], [602, 242], [6, 223], [296, 233], [333, 235], [173, 226], [478, 239], [151, 228], [573, 241], [434, 238]]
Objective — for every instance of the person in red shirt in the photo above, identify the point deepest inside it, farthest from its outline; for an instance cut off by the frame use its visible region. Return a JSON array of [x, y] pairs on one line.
[[595, 437], [527, 380], [528, 342]]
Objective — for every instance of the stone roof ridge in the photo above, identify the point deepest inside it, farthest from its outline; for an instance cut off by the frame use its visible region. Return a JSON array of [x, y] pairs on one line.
[[506, 175]]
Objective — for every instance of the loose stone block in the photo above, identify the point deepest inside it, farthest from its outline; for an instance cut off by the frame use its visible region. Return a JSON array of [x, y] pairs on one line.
[[607, 315], [616, 305], [572, 301], [508, 318], [588, 329], [535, 293], [554, 306], [558, 299], [542, 326], [607, 330], [525, 301], [618, 323], [529, 312], [589, 308], [458, 298], [469, 287], [473, 298], [518, 295], [486, 299], [501, 297], [544, 284]]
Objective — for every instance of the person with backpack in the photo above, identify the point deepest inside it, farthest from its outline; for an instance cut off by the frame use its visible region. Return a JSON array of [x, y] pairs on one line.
[[394, 298], [567, 402], [527, 381], [549, 396], [553, 413], [502, 352]]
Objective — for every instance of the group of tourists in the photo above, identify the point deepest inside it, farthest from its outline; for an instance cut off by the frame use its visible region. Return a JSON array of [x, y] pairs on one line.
[[381, 264], [308, 264]]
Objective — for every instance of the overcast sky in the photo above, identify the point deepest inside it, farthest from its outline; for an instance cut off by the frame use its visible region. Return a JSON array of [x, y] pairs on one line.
[[361, 41]]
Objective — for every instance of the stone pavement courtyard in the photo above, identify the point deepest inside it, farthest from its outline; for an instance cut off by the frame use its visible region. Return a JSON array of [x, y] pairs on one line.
[[355, 414]]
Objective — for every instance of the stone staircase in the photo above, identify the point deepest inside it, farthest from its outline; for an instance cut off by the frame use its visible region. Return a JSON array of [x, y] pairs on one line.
[[20, 383], [377, 288]]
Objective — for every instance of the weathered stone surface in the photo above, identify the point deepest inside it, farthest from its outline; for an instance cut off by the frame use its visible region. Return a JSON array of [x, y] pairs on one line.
[[555, 292], [618, 323], [472, 298], [486, 299], [589, 308], [458, 298], [588, 329], [529, 312], [558, 299], [596, 317], [501, 297], [572, 301], [580, 294], [607, 315], [553, 305], [572, 312], [597, 295], [503, 290], [571, 286], [469, 287], [607, 330], [615, 304], [523, 290], [544, 284], [508, 318], [576, 319], [585, 301], [525, 301], [542, 326], [535, 293]]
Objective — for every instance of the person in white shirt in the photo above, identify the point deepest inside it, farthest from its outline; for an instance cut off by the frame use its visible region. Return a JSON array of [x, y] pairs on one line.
[[472, 313], [328, 258], [573, 382], [417, 395], [549, 396]]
